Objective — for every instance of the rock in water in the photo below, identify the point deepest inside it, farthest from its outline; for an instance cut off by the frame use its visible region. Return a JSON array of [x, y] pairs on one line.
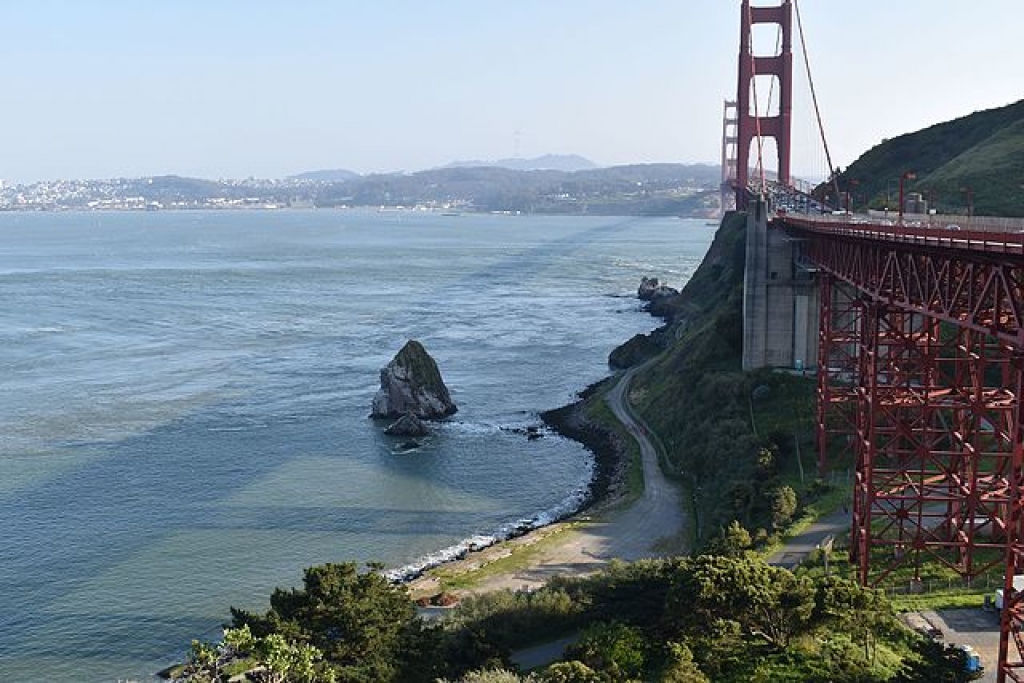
[[411, 383], [407, 425], [650, 289]]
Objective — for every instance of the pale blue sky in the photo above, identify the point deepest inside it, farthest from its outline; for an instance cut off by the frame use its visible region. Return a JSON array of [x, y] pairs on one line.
[[233, 88]]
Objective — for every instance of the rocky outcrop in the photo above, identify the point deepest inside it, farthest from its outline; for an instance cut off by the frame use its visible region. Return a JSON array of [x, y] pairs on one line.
[[638, 349], [411, 384], [610, 456], [650, 289], [407, 425]]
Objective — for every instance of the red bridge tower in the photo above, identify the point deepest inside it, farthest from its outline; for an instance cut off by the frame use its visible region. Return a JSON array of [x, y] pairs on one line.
[[754, 124]]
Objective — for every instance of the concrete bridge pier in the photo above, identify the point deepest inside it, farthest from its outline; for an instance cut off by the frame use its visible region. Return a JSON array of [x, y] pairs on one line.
[[780, 299]]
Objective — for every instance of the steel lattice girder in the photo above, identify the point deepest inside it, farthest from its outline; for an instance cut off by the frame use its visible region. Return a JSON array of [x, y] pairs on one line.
[[933, 446], [838, 341], [1012, 618], [977, 290], [940, 441]]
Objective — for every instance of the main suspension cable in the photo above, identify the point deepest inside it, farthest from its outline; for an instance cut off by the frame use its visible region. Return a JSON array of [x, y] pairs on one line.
[[814, 99]]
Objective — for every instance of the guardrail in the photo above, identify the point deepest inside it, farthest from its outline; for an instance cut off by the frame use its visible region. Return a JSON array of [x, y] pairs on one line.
[[986, 223], [1002, 237]]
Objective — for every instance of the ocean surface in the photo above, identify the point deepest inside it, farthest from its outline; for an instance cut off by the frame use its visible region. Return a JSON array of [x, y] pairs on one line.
[[184, 402]]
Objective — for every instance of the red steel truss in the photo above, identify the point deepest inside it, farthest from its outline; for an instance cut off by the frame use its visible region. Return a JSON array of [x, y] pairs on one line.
[[838, 343], [933, 446], [921, 369], [1011, 659], [966, 283]]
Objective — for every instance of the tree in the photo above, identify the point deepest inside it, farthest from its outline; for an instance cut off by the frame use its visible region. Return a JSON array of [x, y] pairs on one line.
[[364, 626], [858, 611], [681, 668], [491, 676], [733, 541], [203, 665], [936, 663], [611, 648], [271, 659], [290, 663], [767, 462], [764, 601], [784, 503], [570, 672]]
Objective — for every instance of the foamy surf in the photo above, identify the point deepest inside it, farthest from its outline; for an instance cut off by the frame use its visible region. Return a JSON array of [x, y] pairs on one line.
[[568, 506]]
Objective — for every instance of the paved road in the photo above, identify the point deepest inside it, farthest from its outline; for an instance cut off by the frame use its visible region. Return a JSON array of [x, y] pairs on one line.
[[659, 512], [975, 627], [543, 654], [795, 550]]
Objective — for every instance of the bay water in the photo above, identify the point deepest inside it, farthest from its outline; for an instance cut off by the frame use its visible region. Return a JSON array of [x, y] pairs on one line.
[[184, 402]]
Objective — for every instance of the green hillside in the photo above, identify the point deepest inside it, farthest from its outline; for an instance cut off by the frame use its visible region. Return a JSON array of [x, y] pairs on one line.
[[983, 152]]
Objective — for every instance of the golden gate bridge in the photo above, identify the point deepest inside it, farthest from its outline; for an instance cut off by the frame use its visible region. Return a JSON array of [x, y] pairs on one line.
[[919, 346]]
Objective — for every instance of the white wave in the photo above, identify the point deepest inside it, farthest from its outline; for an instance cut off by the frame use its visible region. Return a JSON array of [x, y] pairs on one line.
[[531, 425], [571, 504], [33, 331], [473, 428]]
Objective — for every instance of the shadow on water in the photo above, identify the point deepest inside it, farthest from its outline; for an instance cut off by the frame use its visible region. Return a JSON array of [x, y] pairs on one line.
[[136, 492]]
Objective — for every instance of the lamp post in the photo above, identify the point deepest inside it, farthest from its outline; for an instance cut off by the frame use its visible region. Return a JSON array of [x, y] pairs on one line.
[[906, 175], [970, 202], [852, 183]]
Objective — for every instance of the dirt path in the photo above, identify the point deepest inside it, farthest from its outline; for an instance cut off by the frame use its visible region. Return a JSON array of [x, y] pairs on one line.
[[652, 526]]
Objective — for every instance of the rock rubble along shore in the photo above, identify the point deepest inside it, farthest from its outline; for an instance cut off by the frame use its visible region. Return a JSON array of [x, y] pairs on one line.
[[411, 384]]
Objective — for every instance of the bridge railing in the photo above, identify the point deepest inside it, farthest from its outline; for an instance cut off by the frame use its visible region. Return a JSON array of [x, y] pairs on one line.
[[1002, 237], [987, 223]]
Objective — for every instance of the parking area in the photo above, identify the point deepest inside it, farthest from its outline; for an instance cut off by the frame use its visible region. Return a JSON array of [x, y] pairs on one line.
[[976, 627]]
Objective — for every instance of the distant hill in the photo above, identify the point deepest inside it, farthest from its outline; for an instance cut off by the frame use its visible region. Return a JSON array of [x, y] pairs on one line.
[[641, 189], [983, 151], [548, 162], [334, 175]]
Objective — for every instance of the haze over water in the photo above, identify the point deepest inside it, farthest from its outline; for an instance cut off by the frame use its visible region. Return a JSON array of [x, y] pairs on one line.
[[184, 401]]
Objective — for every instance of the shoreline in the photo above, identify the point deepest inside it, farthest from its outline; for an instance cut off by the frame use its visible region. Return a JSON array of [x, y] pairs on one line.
[[651, 525], [607, 487]]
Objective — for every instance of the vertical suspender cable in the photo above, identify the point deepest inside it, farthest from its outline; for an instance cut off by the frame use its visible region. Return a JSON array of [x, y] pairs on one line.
[[814, 99], [771, 84]]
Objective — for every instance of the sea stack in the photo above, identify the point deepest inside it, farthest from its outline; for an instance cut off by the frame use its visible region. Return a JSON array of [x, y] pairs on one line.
[[650, 289], [411, 384]]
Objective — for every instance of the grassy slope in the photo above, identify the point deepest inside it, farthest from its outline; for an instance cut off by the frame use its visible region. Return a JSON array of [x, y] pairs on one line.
[[700, 403], [983, 151]]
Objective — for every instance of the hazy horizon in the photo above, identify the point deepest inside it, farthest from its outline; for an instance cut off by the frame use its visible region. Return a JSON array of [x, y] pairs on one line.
[[465, 163], [112, 88]]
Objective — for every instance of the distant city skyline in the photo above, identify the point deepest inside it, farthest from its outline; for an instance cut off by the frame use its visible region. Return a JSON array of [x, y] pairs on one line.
[[232, 89]]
